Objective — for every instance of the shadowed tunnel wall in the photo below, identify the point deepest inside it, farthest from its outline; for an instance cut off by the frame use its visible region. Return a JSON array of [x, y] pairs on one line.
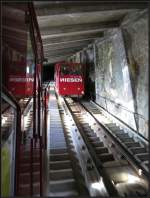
[[120, 62]]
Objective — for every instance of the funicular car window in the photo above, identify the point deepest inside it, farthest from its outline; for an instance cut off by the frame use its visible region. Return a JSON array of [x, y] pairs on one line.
[[65, 69], [75, 70], [71, 69]]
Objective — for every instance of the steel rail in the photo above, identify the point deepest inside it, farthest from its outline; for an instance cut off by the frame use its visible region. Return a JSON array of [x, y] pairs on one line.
[[82, 190], [31, 167], [134, 163], [107, 181]]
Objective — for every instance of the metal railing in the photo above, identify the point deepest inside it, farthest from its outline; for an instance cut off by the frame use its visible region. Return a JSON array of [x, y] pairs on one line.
[[6, 95], [39, 57], [27, 107], [118, 105], [41, 168], [121, 106], [45, 114], [31, 167], [13, 102], [33, 148]]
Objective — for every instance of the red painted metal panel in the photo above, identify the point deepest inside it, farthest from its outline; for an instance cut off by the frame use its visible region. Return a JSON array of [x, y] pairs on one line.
[[21, 85], [69, 84]]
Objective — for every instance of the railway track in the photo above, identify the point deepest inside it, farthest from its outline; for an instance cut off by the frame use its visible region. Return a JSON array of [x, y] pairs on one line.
[[135, 147], [83, 158], [113, 162]]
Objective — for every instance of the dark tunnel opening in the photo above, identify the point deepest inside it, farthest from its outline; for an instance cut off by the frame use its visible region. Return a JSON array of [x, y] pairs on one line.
[[48, 72]]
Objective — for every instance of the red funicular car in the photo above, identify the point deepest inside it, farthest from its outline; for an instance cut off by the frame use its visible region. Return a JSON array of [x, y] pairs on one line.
[[69, 79]]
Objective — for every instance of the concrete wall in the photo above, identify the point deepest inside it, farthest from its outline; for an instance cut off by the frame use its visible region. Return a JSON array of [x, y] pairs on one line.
[[136, 42], [113, 88], [121, 71]]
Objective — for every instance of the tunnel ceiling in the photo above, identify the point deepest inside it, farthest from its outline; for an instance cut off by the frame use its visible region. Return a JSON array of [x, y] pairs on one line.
[[67, 26]]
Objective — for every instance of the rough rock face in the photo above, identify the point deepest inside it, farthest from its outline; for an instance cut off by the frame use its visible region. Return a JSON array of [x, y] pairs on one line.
[[113, 87], [136, 42], [120, 60]]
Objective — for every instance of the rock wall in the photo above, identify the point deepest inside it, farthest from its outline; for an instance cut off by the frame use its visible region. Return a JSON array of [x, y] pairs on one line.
[[118, 64], [113, 87], [136, 43]]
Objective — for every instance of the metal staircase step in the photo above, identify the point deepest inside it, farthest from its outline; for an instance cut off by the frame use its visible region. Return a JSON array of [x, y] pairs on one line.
[[98, 144], [94, 139], [101, 150], [64, 194], [61, 174], [143, 156], [138, 150], [106, 157], [58, 151], [91, 134], [127, 139], [57, 165], [62, 185], [59, 157], [132, 144]]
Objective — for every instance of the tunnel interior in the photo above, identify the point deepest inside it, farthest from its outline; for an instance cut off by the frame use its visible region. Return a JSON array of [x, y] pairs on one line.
[[48, 72], [110, 41]]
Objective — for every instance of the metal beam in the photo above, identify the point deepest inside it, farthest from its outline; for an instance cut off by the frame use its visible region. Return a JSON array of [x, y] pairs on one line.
[[79, 27], [57, 8], [68, 42], [67, 48], [73, 38], [60, 55], [57, 59], [71, 34], [65, 45], [81, 18], [62, 52]]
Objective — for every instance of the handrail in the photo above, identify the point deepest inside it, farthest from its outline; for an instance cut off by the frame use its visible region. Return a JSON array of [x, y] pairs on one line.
[[41, 175], [26, 106], [45, 120], [31, 167], [18, 136], [32, 10], [39, 57], [32, 149], [45, 116], [32, 30], [106, 179], [39, 109], [121, 121], [10, 96], [5, 109], [123, 107]]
